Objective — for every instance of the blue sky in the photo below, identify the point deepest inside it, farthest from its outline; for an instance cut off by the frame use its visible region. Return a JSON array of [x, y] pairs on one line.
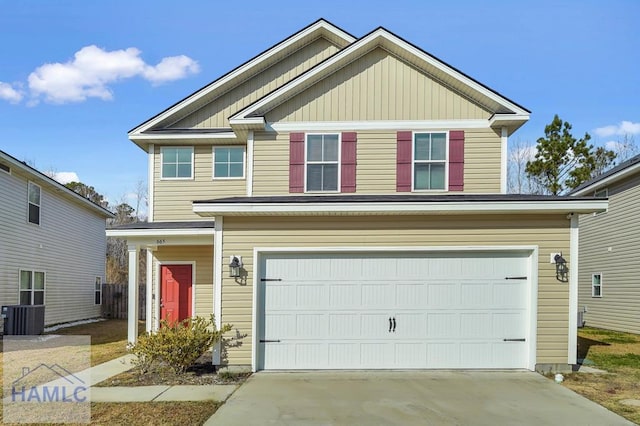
[[76, 75]]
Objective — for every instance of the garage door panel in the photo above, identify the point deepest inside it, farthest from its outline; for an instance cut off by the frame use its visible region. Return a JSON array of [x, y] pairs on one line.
[[451, 310]]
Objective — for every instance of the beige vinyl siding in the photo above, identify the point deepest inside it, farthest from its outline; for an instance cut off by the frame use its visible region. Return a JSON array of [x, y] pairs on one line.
[[377, 86], [203, 285], [172, 198], [376, 157], [551, 234], [69, 246], [216, 113], [610, 245]]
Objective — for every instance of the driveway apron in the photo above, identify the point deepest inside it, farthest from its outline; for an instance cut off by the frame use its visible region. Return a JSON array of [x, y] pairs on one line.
[[408, 398]]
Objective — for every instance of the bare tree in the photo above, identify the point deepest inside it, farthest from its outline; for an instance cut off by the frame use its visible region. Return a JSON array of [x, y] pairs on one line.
[[141, 198], [518, 182], [625, 148]]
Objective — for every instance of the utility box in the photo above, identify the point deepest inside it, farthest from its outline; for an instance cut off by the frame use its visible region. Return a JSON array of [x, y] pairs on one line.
[[23, 320]]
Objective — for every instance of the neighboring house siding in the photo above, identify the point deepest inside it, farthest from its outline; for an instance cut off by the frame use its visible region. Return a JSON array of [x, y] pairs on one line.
[[216, 113], [549, 233], [172, 198], [69, 246], [376, 162], [203, 285], [377, 86], [610, 245]]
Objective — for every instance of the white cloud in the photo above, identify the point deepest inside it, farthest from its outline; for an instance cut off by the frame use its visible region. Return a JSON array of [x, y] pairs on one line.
[[9, 93], [64, 177], [93, 70], [623, 128]]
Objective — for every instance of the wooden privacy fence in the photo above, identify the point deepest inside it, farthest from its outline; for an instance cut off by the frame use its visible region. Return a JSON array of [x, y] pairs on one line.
[[115, 300]]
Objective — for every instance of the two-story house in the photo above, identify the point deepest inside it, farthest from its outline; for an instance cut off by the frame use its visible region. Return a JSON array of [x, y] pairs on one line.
[[341, 201], [52, 245]]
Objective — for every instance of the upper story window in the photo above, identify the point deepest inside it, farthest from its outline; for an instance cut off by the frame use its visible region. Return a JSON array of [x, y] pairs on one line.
[[429, 161], [602, 192], [322, 162], [596, 285], [228, 162], [177, 162], [31, 287], [33, 208]]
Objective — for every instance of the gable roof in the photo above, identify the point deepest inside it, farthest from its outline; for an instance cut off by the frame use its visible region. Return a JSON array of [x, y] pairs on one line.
[[506, 112], [319, 28], [615, 174], [43, 179]]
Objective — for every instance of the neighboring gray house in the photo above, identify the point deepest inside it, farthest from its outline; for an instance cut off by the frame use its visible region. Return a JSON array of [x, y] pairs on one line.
[[609, 269], [52, 244]]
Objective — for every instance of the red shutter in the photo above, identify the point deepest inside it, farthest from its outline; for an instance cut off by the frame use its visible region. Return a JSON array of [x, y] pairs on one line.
[[456, 160], [296, 162], [403, 162], [348, 162]]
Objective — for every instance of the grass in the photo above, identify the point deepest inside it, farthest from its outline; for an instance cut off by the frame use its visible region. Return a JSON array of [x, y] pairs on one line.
[[108, 338], [617, 353]]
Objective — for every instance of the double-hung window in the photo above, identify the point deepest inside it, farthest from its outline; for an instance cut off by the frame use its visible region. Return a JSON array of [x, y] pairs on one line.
[[596, 285], [33, 209], [32, 287], [322, 162], [177, 162], [228, 162], [98, 291], [429, 161]]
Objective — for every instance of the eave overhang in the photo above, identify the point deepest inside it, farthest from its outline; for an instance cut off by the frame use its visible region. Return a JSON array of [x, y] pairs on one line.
[[156, 234], [610, 177]]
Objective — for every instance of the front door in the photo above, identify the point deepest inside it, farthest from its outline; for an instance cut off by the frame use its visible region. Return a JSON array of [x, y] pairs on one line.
[[175, 292]]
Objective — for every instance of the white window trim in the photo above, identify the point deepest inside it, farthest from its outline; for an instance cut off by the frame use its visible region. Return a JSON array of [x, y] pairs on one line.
[[97, 280], [32, 290], [339, 163], [192, 177], [244, 163], [413, 161], [593, 286], [39, 204]]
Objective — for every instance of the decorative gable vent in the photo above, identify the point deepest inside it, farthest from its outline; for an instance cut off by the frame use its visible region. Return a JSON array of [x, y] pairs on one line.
[[5, 168]]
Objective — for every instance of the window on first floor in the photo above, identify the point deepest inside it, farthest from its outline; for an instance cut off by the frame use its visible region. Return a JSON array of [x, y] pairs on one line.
[[429, 161], [98, 291], [177, 162], [228, 162], [596, 285], [322, 162], [33, 203], [32, 284]]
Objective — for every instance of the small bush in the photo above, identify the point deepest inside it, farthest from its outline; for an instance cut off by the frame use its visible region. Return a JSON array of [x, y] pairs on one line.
[[177, 344]]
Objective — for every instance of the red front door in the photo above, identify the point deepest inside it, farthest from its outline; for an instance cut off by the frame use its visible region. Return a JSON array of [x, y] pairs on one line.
[[175, 292]]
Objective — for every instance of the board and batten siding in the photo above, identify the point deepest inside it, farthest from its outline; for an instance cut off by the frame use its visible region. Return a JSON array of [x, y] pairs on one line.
[[203, 284], [376, 162], [69, 246], [610, 245], [549, 233], [217, 112], [172, 198], [377, 86]]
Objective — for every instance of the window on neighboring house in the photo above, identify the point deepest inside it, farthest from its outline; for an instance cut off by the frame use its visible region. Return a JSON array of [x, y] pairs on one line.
[[603, 192], [98, 290], [228, 162], [429, 161], [322, 162], [32, 287], [596, 285], [5, 168], [33, 209], [177, 163]]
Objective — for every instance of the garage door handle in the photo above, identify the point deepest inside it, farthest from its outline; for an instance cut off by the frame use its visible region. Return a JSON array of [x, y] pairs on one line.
[[390, 324], [514, 340], [269, 341], [394, 324]]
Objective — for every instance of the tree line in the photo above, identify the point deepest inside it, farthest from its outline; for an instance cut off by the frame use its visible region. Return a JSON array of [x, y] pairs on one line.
[[560, 162]]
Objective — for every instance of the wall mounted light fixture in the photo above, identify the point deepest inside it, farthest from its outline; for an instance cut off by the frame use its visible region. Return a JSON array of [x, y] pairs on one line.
[[562, 271], [235, 265]]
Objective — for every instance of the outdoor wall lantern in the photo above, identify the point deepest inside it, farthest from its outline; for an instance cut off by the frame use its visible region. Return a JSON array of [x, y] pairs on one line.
[[561, 268], [234, 266]]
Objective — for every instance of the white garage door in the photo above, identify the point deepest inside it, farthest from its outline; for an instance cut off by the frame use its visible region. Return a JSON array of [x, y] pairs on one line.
[[399, 310]]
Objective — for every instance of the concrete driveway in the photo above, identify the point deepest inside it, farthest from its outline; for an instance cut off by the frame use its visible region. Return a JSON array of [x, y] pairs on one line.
[[408, 398]]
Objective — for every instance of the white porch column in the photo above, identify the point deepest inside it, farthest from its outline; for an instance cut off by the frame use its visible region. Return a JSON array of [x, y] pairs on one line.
[[132, 314], [149, 308], [218, 263]]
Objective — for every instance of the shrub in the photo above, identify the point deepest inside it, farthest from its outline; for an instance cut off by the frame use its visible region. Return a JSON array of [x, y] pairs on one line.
[[177, 344]]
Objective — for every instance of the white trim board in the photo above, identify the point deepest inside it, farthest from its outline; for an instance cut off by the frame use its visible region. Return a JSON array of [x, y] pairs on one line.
[[532, 300], [339, 126]]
